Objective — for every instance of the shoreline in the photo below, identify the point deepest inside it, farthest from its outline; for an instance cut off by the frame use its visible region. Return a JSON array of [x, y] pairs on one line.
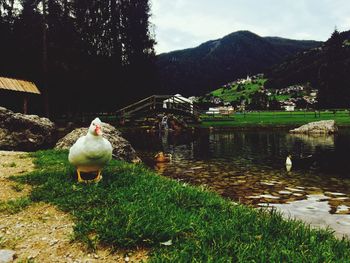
[[135, 207]]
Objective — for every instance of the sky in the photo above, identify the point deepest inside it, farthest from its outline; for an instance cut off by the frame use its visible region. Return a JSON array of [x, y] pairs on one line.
[[180, 24]]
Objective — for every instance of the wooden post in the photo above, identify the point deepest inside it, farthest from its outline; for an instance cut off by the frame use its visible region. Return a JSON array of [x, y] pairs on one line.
[[44, 60], [25, 104]]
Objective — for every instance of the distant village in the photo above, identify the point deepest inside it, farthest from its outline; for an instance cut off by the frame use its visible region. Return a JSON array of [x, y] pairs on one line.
[[289, 98]]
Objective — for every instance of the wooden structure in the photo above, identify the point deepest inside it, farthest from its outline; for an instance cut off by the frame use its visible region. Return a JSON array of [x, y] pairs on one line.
[[155, 104], [24, 87]]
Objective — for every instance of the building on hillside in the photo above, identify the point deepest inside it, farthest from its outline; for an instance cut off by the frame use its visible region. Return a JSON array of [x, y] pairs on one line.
[[212, 111], [216, 100], [288, 105], [14, 92], [314, 92], [176, 101], [223, 110], [243, 81]]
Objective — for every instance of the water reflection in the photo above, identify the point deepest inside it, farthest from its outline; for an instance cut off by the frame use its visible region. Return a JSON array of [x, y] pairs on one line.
[[325, 141], [249, 167]]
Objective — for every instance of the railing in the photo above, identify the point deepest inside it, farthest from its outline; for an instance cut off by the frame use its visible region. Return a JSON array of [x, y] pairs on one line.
[[159, 103]]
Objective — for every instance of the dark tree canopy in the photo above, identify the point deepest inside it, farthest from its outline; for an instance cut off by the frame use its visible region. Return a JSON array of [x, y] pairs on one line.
[[87, 54]]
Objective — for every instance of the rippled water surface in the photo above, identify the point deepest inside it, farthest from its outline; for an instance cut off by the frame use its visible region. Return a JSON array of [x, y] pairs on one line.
[[249, 167]]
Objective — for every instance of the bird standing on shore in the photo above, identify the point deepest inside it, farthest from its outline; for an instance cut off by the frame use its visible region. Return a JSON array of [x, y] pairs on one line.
[[90, 153]]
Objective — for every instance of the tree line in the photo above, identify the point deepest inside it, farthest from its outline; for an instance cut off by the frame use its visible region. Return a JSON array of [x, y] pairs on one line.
[[84, 55], [325, 68]]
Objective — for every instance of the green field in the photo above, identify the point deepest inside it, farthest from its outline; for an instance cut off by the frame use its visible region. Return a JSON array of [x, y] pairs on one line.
[[232, 94], [134, 207], [275, 119]]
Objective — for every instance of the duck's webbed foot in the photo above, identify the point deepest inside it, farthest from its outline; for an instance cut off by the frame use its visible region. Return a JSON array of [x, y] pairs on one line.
[[84, 176], [79, 176], [98, 177]]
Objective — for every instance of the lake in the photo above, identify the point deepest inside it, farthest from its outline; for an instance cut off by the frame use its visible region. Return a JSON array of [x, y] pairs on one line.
[[249, 167]]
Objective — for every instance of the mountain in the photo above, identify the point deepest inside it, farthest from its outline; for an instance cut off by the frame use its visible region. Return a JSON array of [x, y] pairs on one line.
[[196, 71], [325, 68]]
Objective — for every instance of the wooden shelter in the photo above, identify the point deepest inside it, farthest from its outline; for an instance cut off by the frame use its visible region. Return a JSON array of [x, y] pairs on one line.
[[24, 88]]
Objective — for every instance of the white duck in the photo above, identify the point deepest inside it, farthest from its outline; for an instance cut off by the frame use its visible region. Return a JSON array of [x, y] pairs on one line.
[[90, 153], [289, 163]]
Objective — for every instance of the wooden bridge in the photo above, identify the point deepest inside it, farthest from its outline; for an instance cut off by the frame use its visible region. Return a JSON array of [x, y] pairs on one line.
[[154, 104]]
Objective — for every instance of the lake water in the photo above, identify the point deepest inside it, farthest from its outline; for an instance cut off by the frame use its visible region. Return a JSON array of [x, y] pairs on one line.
[[249, 167]]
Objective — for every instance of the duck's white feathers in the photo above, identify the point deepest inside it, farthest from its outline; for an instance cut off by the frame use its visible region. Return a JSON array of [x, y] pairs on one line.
[[90, 151], [288, 161]]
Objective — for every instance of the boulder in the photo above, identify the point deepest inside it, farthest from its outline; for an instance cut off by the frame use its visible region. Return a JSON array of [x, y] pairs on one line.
[[122, 149], [24, 132], [317, 127]]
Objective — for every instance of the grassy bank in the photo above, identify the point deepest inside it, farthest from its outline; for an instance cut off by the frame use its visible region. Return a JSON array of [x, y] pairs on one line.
[[133, 207], [275, 119]]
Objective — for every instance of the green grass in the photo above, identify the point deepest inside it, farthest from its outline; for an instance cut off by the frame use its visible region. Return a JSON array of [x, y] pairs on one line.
[[232, 94], [13, 164], [283, 97], [14, 206], [134, 207], [18, 187], [274, 119]]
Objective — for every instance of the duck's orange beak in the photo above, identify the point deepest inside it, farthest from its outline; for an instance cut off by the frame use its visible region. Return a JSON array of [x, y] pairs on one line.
[[98, 130]]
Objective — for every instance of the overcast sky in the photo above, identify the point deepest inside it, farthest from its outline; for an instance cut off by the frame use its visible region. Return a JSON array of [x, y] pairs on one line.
[[180, 24]]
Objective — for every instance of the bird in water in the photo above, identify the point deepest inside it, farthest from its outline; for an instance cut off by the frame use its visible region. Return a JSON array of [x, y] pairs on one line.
[[162, 157], [90, 153], [289, 163], [301, 162]]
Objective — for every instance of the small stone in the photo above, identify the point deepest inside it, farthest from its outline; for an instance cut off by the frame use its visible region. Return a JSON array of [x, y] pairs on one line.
[[96, 256], [53, 242], [126, 259], [297, 194], [267, 196], [7, 255], [263, 204], [33, 255], [294, 189], [254, 196], [284, 192], [267, 183], [335, 194]]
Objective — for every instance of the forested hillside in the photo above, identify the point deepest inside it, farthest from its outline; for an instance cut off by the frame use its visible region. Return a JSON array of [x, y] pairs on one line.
[[199, 70], [78, 52], [325, 68]]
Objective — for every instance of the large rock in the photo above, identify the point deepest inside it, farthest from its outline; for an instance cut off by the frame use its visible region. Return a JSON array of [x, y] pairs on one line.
[[24, 132], [122, 149], [317, 127]]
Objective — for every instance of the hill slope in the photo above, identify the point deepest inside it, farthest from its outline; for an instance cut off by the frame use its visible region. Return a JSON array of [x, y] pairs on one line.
[[326, 68], [198, 70]]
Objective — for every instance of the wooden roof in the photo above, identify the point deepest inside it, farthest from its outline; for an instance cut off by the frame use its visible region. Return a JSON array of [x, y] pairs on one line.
[[18, 85]]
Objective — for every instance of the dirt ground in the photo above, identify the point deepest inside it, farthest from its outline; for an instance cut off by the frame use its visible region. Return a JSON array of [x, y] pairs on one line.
[[41, 232]]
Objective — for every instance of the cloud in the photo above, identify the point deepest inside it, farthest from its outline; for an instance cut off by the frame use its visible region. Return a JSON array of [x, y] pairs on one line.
[[182, 24]]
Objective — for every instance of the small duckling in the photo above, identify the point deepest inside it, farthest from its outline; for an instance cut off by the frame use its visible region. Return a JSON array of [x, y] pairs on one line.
[[162, 157]]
